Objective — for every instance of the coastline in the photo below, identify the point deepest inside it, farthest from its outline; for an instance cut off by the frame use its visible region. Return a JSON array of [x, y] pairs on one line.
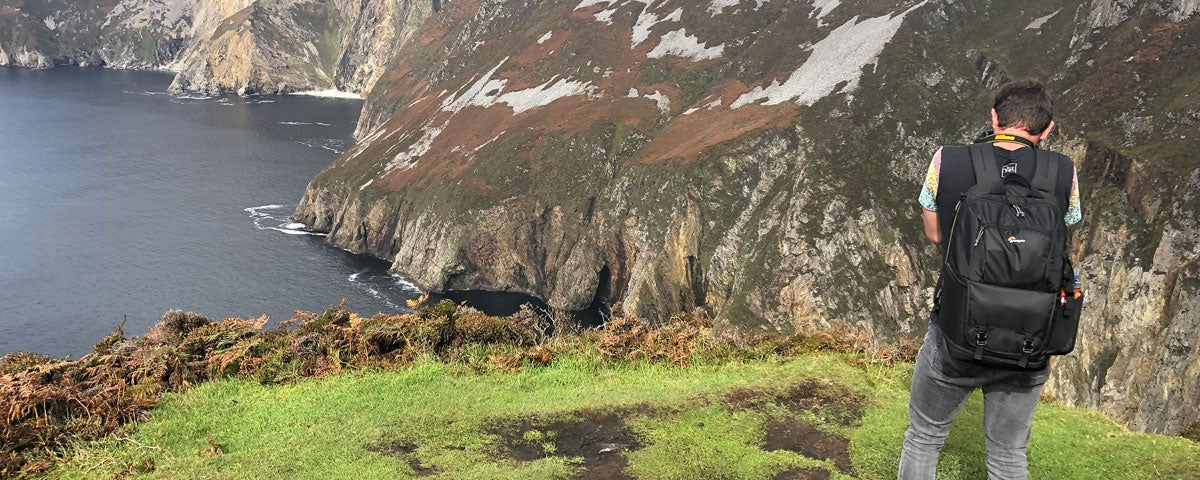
[[328, 94]]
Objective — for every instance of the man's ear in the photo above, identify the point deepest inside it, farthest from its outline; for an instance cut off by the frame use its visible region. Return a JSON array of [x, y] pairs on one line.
[[995, 121], [1046, 132]]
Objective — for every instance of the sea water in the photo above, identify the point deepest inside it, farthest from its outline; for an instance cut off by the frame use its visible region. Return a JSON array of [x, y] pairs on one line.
[[121, 200]]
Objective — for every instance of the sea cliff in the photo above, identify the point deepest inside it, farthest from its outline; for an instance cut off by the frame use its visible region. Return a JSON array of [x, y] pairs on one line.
[[756, 159]]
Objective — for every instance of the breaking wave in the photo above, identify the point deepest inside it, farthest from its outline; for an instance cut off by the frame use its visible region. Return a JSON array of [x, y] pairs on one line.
[[275, 217], [332, 144], [323, 124]]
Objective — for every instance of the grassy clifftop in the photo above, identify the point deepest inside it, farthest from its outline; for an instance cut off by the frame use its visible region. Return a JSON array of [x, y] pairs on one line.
[[451, 393]]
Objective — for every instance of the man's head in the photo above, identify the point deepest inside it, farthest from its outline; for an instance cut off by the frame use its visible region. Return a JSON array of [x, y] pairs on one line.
[[1023, 105]]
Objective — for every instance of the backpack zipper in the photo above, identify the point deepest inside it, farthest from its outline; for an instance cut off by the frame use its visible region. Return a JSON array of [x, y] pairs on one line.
[[978, 236], [953, 223]]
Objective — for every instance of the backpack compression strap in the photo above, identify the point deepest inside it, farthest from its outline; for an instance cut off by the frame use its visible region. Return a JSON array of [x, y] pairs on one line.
[[983, 160], [1045, 173]]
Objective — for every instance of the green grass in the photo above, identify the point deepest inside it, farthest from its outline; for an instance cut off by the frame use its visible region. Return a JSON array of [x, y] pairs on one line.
[[352, 425]]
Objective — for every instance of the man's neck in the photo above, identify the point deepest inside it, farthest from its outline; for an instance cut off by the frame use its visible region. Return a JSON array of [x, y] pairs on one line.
[[1014, 132]]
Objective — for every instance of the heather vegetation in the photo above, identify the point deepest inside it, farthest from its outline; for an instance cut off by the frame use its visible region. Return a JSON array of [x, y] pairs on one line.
[[452, 393]]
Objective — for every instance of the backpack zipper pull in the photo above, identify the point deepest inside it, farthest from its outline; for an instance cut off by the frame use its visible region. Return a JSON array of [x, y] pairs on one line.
[[1020, 213], [977, 237]]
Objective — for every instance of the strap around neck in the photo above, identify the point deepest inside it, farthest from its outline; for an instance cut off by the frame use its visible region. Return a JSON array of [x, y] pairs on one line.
[[1004, 137]]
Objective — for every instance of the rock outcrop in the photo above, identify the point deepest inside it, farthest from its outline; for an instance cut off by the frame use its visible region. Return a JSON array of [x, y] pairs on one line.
[[217, 46]]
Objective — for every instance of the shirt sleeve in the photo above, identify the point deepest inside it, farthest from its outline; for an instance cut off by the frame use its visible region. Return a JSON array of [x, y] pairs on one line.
[[1074, 213], [928, 197]]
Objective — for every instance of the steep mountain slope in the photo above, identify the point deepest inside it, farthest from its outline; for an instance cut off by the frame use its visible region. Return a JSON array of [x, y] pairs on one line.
[[761, 159]]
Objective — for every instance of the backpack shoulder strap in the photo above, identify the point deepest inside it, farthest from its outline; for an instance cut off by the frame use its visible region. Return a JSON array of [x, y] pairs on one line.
[[983, 161], [1045, 173]]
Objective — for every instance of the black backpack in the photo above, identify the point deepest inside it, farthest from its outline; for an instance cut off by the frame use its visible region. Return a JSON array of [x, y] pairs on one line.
[[1005, 297]]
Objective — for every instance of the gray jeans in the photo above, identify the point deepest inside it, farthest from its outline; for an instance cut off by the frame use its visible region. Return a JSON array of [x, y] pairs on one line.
[[940, 387]]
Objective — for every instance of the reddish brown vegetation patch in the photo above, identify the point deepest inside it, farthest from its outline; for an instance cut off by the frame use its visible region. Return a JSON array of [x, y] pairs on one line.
[[689, 135], [634, 339], [539, 51]]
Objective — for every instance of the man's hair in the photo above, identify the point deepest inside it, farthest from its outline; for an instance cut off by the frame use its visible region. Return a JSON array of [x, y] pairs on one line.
[[1024, 104]]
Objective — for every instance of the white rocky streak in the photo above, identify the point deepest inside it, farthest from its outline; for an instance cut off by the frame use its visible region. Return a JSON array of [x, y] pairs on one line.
[[663, 101], [544, 94], [679, 43], [821, 8], [646, 20], [485, 92], [605, 16], [837, 58], [408, 158], [545, 37], [479, 88], [49, 23], [1037, 23]]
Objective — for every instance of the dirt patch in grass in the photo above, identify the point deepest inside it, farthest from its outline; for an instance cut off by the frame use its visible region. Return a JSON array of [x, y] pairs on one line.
[[796, 436], [827, 403], [405, 450], [600, 438]]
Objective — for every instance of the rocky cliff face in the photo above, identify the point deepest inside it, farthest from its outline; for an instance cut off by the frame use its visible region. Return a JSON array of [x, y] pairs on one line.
[[298, 45], [218, 46], [761, 159], [757, 158]]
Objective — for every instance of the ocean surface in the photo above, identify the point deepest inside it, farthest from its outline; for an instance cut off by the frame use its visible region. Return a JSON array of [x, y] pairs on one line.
[[118, 199]]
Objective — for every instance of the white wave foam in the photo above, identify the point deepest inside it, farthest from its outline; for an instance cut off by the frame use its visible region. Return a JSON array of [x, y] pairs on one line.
[[384, 299], [323, 124], [264, 207], [332, 144], [405, 284], [265, 219], [185, 96]]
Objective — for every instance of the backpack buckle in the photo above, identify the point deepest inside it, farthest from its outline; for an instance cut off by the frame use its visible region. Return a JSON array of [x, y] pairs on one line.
[[981, 338], [1027, 346]]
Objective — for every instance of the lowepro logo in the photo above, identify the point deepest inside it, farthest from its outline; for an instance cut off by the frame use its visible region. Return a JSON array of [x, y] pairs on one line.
[[1015, 240]]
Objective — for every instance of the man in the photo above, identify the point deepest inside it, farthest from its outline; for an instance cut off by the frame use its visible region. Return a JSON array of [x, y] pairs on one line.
[[1021, 119]]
